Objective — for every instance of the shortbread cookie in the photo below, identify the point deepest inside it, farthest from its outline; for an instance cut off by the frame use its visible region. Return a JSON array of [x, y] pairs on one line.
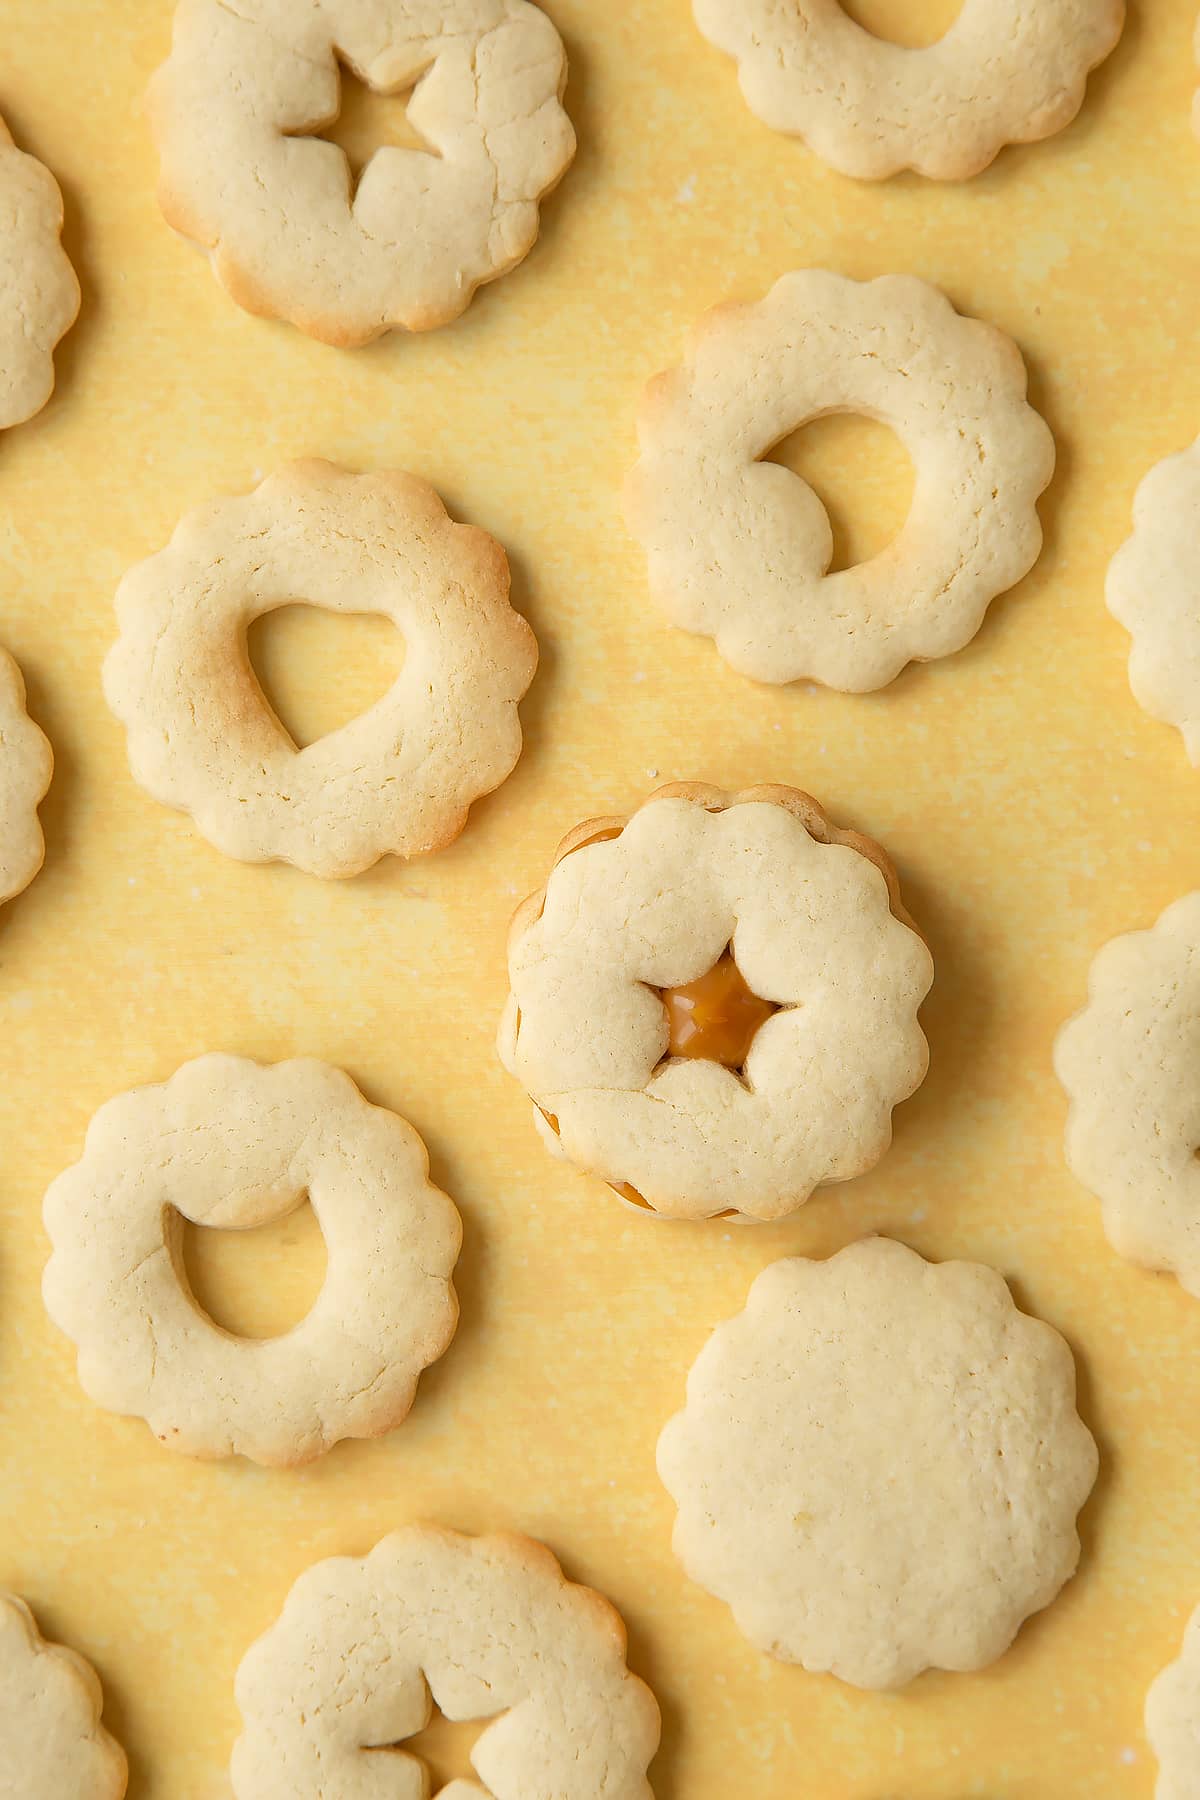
[[880, 1465], [238, 109], [396, 781], [232, 1144], [1130, 1062], [26, 764], [52, 1744], [39, 295], [486, 1628], [1005, 72], [1153, 589], [714, 1003], [739, 548], [1173, 1721]]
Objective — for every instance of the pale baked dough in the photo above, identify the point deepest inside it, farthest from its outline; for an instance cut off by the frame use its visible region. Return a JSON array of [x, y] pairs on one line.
[[739, 548], [26, 764], [39, 294], [397, 780], [52, 1744], [1153, 589], [1130, 1063], [1006, 72], [488, 1628], [880, 1465], [237, 110], [232, 1144], [1173, 1720], [812, 913]]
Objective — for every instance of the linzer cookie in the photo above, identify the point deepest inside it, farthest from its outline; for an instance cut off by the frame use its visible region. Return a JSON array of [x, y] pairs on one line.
[[879, 1465], [39, 294], [739, 548], [52, 1744], [231, 1144], [397, 780], [1005, 72], [485, 1628], [238, 110], [714, 1002]]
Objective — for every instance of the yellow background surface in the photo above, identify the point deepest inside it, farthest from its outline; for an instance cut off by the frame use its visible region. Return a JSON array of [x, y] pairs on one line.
[[1033, 810]]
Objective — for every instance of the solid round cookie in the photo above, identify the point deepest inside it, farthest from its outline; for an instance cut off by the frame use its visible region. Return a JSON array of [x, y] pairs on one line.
[[26, 764], [1005, 72], [397, 780], [1173, 1720], [1129, 1062], [879, 1465], [1153, 590], [231, 1144], [485, 1628], [739, 548], [238, 109], [39, 294], [52, 1744], [644, 927]]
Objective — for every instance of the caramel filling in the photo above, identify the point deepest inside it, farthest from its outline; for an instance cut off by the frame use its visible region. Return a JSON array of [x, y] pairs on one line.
[[717, 1016]]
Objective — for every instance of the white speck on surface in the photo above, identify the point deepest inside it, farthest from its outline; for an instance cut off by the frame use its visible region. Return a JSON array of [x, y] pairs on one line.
[[639, 674], [1128, 1754], [687, 192], [132, 880], [1144, 845], [652, 774]]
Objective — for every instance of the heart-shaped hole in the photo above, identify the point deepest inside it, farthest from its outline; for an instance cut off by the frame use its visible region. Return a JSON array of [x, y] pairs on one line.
[[257, 1283], [319, 669]]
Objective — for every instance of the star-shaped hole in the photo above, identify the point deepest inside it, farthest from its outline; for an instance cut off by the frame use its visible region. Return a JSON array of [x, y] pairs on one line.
[[367, 120], [444, 1746], [716, 1017]]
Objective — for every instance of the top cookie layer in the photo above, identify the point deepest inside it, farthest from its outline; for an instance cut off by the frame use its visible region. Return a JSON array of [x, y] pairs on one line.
[[39, 294], [1005, 72], [739, 548], [483, 1626], [395, 781], [236, 111]]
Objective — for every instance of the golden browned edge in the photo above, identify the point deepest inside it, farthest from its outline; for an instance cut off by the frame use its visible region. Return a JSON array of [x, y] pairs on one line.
[[326, 329], [802, 806]]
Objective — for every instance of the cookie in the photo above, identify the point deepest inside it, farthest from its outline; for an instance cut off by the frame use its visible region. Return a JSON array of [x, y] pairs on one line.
[[397, 780], [879, 1465], [237, 112], [52, 1744], [1128, 1062], [485, 1628], [232, 1144], [714, 1002], [1173, 1720], [39, 294], [739, 548], [1153, 590], [1004, 73], [26, 764]]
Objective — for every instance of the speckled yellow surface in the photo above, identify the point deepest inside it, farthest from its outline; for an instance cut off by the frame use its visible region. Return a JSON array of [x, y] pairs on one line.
[[1032, 808]]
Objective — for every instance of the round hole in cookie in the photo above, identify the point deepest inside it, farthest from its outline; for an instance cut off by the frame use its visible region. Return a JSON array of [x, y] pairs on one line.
[[319, 669], [862, 475], [257, 1283], [369, 119], [913, 24]]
